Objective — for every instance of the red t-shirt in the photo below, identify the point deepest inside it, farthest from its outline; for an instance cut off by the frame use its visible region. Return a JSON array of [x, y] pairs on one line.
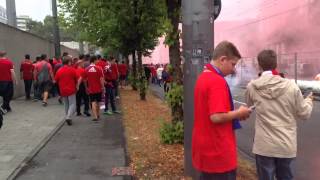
[[213, 145], [56, 61], [153, 71], [93, 74], [27, 69], [101, 64], [40, 65], [66, 77], [122, 69], [5, 68], [80, 72], [114, 71]]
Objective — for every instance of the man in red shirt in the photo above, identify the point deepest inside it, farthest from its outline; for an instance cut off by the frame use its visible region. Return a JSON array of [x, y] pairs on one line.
[[115, 77], [66, 77], [82, 94], [44, 78], [93, 76], [6, 81], [110, 78], [214, 151], [123, 73], [26, 74]]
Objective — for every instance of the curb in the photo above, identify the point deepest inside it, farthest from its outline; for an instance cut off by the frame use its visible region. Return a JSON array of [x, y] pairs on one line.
[[34, 152], [125, 145]]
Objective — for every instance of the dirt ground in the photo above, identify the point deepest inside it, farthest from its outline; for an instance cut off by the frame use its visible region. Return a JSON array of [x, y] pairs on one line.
[[148, 157]]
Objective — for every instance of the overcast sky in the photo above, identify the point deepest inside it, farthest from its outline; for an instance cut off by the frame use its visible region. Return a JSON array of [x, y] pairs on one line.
[[36, 9]]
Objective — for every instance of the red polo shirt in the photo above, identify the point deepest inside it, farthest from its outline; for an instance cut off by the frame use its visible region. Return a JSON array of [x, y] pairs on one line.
[[93, 74], [27, 69], [122, 69], [213, 145], [5, 68], [66, 77]]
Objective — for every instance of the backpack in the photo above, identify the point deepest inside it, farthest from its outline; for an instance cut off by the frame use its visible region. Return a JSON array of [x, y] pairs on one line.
[[43, 74]]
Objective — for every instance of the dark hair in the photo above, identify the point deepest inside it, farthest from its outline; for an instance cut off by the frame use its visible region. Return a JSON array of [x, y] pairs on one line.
[[81, 56], [66, 59], [225, 48], [43, 56], [98, 57], [27, 56], [267, 60], [38, 58], [65, 54], [92, 59], [87, 57], [122, 62]]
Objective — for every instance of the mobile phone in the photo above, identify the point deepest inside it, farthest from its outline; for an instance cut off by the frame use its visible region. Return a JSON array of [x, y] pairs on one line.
[[252, 108], [307, 92]]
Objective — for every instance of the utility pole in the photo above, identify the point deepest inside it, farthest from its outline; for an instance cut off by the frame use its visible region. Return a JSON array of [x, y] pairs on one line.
[[56, 35], [11, 13], [197, 37]]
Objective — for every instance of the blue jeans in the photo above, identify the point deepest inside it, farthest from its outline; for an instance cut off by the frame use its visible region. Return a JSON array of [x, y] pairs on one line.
[[269, 167], [109, 97]]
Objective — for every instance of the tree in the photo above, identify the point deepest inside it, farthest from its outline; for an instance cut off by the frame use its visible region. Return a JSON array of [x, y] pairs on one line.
[[124, 26], [45, 29], [175, 95]]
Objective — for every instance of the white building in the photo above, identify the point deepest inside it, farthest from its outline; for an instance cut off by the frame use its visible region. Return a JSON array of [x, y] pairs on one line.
[[22, 21], [3, 15]]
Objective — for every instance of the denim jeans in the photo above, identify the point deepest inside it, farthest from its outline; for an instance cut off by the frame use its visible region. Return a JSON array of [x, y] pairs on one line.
[[109, 97], [270, 167], [6, 91], [27, 88], [69, 105]]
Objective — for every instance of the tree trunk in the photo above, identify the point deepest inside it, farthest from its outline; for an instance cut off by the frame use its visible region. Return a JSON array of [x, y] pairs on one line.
[[134, 71], [174, 7], [142, 85]]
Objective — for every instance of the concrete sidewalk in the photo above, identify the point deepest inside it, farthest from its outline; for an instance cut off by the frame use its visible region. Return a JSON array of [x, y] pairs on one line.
[[86, 150], [25, 131]]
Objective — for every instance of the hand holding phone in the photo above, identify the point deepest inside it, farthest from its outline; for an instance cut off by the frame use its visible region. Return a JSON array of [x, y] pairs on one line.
[[252, 108]]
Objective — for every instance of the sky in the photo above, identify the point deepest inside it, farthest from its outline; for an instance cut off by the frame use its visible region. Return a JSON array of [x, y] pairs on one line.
[[36, 9]]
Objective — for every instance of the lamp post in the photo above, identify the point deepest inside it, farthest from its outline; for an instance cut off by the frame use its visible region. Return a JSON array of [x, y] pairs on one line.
[[56, 35]]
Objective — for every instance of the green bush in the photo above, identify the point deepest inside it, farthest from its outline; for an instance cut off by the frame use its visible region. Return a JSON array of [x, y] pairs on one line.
[[175, 95], [172, 133]]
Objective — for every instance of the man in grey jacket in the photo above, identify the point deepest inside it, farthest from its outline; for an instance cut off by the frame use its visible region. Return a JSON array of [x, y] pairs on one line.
[[278, 103]]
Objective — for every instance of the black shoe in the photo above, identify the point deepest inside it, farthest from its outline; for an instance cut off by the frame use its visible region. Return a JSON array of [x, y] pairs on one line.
[[60, 100], [95, 119], [44, 104], [87, 114], [79, 114], [69, 122]]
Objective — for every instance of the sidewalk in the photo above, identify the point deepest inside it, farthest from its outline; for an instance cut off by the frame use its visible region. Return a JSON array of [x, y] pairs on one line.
[[85, 150], [25, 130]]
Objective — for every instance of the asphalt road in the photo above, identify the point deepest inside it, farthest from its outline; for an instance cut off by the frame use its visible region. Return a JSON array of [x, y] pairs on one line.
[[307, 163]]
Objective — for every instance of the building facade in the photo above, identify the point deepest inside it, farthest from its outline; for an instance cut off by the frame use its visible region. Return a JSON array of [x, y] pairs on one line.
[[3, 15], [22, 21]]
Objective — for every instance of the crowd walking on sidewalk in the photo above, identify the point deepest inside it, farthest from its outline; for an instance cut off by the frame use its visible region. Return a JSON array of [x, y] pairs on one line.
[[86, 81]]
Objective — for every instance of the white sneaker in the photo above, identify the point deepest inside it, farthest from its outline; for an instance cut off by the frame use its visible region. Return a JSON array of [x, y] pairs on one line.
[[117, 97]]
